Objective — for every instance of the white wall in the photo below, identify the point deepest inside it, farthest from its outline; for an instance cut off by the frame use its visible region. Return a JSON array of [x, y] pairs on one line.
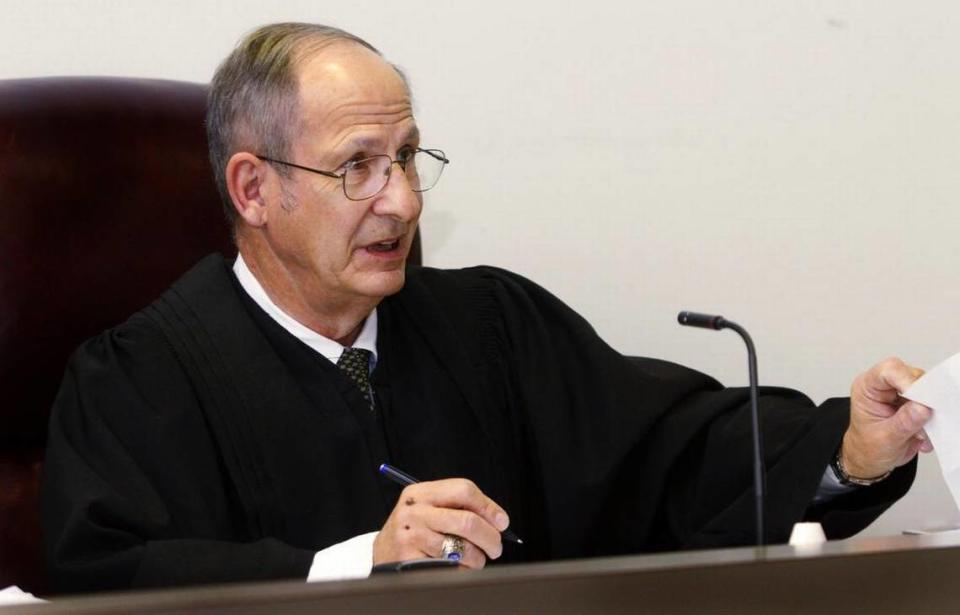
[[791, 165]]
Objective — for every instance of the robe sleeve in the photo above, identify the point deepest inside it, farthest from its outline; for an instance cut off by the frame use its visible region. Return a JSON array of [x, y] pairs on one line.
[[133, 492], [637, 454]]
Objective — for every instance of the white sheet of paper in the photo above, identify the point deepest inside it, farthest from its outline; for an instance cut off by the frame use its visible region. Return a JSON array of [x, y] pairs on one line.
[[15, 595], [940, 389]]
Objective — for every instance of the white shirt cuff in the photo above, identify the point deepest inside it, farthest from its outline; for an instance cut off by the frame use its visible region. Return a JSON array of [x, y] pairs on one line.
[[350, 559], [830, 487]]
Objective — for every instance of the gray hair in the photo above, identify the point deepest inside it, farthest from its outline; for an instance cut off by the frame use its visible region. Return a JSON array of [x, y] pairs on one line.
[[253, 99]]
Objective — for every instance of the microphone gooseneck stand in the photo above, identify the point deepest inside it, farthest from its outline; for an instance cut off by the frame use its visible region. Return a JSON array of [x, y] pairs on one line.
[[709, 321]]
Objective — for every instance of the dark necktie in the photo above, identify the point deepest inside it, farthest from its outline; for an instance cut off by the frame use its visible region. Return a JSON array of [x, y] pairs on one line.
[[355, 363]]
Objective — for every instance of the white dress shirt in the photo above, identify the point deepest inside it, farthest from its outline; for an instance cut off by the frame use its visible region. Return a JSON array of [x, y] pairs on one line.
[[353, 558]]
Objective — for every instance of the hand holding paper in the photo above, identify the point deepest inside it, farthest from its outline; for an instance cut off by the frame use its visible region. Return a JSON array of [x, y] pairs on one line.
[[886, 430]]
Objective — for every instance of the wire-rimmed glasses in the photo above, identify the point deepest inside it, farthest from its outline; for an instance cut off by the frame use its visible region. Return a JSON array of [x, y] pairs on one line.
[[365, 178]]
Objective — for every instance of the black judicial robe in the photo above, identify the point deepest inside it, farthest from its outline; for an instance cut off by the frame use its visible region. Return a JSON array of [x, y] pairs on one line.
[[200, 442]]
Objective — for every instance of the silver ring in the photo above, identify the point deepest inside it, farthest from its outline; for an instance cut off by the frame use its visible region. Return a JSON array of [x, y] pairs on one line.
[[452, 548]]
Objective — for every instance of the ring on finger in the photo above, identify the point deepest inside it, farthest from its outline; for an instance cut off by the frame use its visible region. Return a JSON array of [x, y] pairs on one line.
[[452, 548]]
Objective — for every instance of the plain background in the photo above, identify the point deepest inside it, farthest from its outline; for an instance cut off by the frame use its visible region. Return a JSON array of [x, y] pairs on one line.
[[791, 165]]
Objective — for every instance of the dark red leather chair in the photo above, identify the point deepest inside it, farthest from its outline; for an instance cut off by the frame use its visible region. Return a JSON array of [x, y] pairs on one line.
[[106, 197]]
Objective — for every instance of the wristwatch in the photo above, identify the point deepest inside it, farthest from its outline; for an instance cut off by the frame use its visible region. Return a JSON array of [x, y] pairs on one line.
[[846, 479]]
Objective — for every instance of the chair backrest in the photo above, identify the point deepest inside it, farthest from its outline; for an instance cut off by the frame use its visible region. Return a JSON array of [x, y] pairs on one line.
[[106, 197]]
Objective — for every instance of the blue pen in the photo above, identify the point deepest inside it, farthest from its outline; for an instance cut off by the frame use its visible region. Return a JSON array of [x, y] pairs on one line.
[[402, 478]]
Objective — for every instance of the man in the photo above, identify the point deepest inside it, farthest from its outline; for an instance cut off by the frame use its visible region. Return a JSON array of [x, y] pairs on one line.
[[232, 430]]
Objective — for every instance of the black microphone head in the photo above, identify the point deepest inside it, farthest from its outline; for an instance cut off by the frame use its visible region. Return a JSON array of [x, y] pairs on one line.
[[696, 319]]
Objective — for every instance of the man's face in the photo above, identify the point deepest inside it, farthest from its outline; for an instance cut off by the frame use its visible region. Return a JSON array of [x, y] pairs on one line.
[[337, 251]]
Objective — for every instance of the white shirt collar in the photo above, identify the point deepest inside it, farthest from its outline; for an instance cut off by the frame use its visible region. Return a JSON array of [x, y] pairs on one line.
[[327, 347]]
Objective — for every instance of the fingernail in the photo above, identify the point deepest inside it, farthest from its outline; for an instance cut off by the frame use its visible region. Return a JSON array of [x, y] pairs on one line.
[[501, 521], [921, 412]]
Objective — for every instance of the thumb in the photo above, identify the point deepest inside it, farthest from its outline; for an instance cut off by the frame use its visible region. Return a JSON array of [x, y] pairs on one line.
[[910, 419]]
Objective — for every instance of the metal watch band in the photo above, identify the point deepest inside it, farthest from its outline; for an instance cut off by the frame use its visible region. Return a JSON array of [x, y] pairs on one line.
[[846, 479]]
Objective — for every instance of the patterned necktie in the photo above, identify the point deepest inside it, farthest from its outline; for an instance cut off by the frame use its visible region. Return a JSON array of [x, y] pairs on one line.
[[355, 363]]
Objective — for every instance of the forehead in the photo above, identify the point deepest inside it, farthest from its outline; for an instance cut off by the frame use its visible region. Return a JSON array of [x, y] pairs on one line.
[[346, 89]]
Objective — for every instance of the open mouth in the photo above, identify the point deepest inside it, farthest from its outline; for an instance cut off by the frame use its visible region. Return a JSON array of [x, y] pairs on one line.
[[384, 246]]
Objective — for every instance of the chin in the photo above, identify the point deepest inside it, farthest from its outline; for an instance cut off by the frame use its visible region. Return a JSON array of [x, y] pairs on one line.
[[384, 283]]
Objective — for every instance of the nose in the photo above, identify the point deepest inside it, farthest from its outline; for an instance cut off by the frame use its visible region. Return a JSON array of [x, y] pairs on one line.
[[397, 198]]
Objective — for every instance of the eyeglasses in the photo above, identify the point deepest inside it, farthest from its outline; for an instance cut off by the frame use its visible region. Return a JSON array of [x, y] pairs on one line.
[[366, 177]]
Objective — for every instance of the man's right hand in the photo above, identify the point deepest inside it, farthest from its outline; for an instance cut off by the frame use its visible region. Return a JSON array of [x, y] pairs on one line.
[[428, 511]]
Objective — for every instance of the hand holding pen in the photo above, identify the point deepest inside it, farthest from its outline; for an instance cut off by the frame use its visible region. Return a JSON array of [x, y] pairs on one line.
[[428, 514], [403, 479]]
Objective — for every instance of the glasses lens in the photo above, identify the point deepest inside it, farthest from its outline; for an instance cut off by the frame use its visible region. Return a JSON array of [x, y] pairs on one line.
[[424, 169], [364, 178]]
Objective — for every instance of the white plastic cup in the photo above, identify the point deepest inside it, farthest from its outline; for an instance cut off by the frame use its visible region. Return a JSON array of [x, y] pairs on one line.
[[807, 536]]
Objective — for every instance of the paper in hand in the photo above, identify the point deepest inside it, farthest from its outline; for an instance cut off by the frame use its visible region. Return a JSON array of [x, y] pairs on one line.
[[939, 389]]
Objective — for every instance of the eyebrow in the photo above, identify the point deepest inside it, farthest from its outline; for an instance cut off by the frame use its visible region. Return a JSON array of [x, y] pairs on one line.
[[371, 143], [363, 143], [413, 134]]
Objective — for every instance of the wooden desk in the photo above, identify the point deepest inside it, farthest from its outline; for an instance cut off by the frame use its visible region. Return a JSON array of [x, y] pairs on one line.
[[879, 575]]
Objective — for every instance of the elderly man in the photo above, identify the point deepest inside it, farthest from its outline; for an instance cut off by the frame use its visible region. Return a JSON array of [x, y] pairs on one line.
[[233, 429]]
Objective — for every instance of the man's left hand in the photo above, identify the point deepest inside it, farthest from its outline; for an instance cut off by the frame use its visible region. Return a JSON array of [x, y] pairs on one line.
[[886, 430]]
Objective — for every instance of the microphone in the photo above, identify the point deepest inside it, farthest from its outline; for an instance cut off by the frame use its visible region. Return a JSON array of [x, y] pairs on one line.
[[710, 321], [706, 321]]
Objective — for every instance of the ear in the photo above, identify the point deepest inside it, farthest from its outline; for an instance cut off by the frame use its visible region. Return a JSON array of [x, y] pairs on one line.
[[246, 178]]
